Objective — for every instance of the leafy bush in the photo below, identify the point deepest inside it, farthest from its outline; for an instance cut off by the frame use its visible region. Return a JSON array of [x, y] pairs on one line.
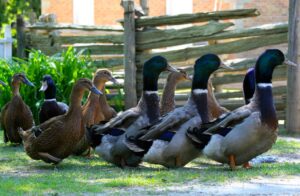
[[65, 68]]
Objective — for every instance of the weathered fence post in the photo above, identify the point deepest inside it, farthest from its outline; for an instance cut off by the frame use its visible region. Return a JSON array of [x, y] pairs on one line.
[[20, 37], [129, 54], [293, 90], [6, 44]]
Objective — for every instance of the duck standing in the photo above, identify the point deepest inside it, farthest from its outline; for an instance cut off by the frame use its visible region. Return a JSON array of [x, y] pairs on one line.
[[96, 109], [249, 130], [171, 147], [112, 149], [50, 107], [54, 140], [16, 113]]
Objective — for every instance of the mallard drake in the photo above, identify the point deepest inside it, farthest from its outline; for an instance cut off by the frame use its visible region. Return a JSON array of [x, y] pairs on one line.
[[50, 107], [176, 150], [145, 113], [96, 108], [16, 113], [249, 130], [167, 101], [55, 139]]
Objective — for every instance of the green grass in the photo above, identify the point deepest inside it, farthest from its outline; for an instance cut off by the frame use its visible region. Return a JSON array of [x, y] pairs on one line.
[[19, 174]]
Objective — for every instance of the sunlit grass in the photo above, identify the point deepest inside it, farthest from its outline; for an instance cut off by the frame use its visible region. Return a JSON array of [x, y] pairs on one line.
[[75, 175]]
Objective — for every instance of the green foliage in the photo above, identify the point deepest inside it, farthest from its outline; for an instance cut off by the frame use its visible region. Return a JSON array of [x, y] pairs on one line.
[[65, 69], [11, 8]]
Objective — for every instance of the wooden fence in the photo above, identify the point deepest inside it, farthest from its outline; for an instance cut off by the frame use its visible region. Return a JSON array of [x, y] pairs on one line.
[[129, 48], [6, 44]]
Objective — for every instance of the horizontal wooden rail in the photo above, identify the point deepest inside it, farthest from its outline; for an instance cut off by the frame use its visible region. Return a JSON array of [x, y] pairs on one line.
[[47, 26], [222, 48], [115, 39], [150, 42], [197, 17], [171, 37], [101, 49]]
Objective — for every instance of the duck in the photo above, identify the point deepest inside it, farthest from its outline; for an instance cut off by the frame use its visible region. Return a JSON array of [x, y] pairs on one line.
[[172, 148], [16, 113], [167, 104], [50, 107], [96, 109], [167, 101], [249, 130], [55, 139], [111, 147]]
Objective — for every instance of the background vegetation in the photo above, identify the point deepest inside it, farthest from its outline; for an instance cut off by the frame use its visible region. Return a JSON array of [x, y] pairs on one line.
[[65, 68]]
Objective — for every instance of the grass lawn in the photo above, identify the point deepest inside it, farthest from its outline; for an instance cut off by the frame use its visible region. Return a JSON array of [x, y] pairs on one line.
[[75, 175]]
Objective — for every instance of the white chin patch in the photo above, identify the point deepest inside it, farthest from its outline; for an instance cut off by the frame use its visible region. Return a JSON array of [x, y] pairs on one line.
[[200, 91], [44, 86], [264, 85], [150, 92]]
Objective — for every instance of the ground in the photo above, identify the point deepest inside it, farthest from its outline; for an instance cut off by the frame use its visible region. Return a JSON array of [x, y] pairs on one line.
[[75, 175]]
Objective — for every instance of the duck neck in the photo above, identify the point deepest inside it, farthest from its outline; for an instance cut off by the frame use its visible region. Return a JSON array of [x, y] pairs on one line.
[[266, 106], [75, 102], [16, 88], [151, 97], [167, 102], [199, 95], [50, 93]]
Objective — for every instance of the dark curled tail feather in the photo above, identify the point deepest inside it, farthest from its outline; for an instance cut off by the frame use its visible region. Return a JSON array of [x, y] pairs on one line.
[[93, 138]]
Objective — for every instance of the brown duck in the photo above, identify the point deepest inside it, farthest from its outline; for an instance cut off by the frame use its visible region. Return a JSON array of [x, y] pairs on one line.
[[167, 102], [96, 108], [54, 140], [16, 113]]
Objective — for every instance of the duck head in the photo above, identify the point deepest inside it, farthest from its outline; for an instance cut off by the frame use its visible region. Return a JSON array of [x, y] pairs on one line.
[[2, 83], [21, 78], [86, 84], [266, 64], [152, 69], [203, 68], [103, 76], [249, 85], [48, 86], [180, 76]]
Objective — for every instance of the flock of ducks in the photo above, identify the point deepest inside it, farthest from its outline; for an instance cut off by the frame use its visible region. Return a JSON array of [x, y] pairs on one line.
[[154, 131]]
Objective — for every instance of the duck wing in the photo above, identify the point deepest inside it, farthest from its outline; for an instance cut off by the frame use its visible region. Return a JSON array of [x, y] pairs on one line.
[[122, 118], [172, 119], [231, 119], [64, 107]]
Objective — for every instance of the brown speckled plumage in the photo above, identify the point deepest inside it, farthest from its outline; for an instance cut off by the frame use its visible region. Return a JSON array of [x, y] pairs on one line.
[[96, 109], [56, 138]]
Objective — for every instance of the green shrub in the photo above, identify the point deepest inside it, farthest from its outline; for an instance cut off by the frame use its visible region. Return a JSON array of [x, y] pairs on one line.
[[65, 68]]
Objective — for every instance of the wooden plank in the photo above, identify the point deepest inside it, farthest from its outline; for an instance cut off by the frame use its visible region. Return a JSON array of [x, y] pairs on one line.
[[101, 49], [158, 36], [268, 29], [115, 39], [129, 53], [293, 92], [108, 63], [240, 45], [196, 17], [49, 27]]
